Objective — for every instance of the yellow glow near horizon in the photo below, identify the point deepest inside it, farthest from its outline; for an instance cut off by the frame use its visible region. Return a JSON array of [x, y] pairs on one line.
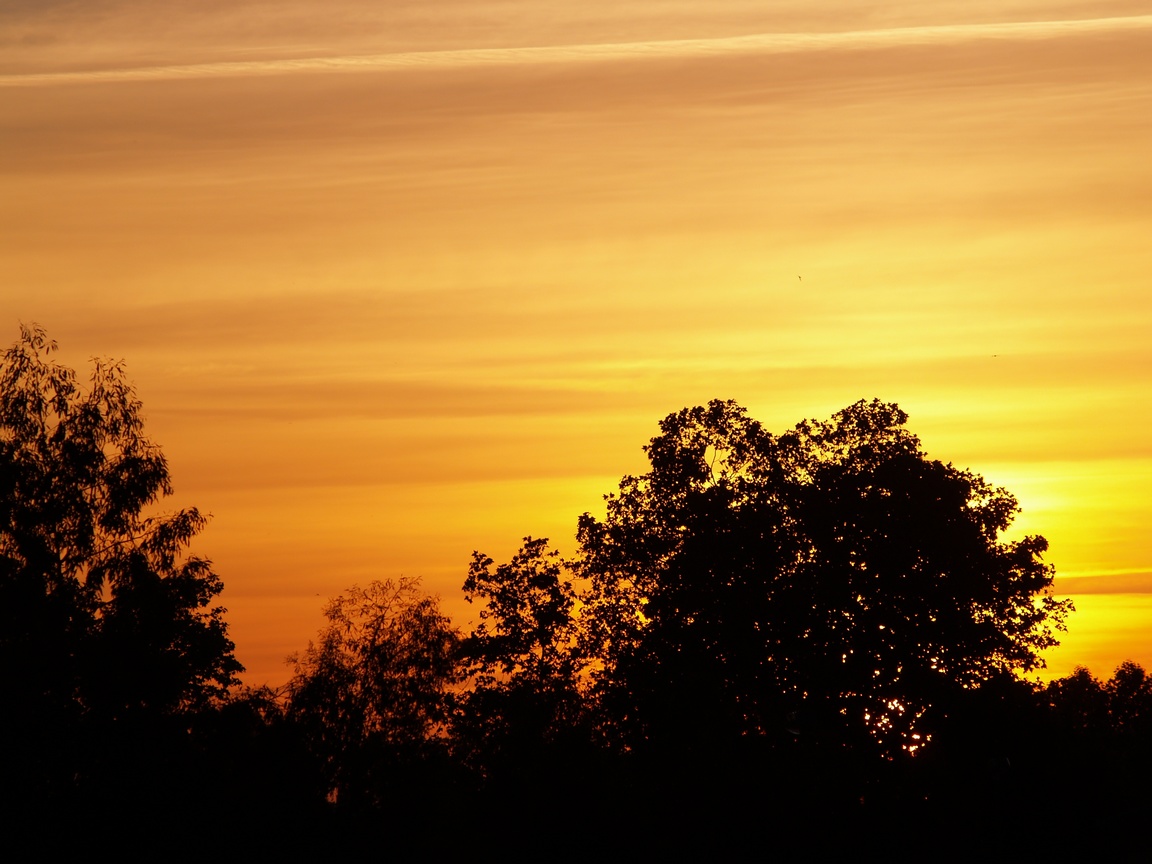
[[382, 312]]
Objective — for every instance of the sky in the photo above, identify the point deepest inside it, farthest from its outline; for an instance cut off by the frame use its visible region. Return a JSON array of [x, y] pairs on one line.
[[400, 281]]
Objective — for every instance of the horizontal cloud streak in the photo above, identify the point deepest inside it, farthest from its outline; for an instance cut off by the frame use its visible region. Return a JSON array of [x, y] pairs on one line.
[[765, 43], [1125, 582]]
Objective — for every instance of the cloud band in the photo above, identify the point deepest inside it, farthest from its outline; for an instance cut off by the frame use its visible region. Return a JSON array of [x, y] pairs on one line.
[[758, 44]]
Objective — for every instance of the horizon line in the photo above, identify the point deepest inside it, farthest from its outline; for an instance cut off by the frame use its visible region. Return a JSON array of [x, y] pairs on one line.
[[762, 43]]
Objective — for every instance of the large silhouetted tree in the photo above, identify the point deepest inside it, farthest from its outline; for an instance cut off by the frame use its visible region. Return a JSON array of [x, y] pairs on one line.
[[105, 623], [831, 584]]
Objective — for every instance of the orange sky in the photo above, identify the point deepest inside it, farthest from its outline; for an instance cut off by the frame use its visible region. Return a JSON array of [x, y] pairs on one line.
[[399, 281]]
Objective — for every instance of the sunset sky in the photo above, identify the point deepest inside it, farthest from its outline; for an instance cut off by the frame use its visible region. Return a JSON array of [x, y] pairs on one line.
[[396, 281]]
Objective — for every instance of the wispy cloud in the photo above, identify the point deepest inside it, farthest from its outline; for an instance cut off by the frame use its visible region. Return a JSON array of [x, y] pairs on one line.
[[766, 43], [1106, 582]]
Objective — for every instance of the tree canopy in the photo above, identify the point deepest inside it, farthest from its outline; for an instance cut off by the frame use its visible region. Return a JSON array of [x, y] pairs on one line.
[[524, 699], [372, 694], [103, 617], [832, 582], [752, 641]]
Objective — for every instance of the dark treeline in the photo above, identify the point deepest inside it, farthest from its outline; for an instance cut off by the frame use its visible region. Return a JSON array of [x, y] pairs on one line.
[[808, 642]]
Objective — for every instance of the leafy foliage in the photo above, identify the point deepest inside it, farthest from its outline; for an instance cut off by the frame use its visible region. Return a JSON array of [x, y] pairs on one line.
[[1119, 707], [374, 691], [752, 622], [832, 583], [525, 623], [102, 613], [524, 699], [107, 629]]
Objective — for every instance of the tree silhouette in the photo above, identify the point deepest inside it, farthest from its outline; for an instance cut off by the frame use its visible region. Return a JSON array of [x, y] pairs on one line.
[[523, 710], [105, 625], [831, 584], [1119, 708], [373, 693]]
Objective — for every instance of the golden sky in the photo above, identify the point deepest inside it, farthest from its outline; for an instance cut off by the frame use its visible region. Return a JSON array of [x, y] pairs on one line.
[[401, 280]]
